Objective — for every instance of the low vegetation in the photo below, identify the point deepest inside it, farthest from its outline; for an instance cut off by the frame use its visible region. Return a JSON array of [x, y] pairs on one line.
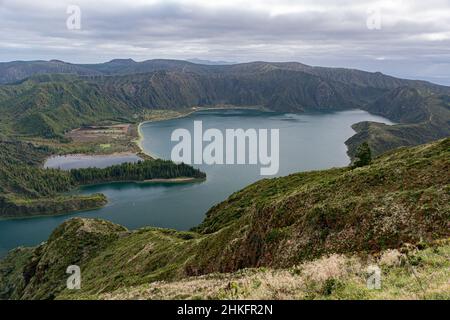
[[411, 272], [363, 156], [28, 189], [308, 235], [420, 118]]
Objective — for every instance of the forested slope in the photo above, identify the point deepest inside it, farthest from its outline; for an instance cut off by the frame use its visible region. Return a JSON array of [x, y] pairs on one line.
[[28, 189], [47, 104]]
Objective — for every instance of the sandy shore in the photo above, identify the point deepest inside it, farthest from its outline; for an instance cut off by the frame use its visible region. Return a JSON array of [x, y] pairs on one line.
[[172, 180], [141, 136], [193, 110], [140, 140], [142, 153]]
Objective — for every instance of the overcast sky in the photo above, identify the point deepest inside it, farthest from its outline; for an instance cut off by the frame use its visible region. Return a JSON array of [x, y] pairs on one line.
[[404, 38]]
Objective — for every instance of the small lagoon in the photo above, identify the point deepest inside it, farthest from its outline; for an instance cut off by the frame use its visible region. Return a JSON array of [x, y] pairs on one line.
[[74, 161]]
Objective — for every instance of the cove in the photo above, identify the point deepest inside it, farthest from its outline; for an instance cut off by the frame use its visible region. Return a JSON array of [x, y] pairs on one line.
[[309, 141]]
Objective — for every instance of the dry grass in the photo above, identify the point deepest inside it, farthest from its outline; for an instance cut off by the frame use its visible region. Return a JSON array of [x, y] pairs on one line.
[[410, 274]]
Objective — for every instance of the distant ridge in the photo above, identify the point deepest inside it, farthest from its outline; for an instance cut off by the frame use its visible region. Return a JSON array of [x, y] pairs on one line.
[[210, 62], [47, 98], [14, 71]]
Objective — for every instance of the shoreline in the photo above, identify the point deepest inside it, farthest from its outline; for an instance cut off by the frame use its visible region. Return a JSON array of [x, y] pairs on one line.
[[148, 155], [179, 180], [193, 110], [148, 181], [140, 139], [136, 148], [113, 154], [172, 180], [49, 215]]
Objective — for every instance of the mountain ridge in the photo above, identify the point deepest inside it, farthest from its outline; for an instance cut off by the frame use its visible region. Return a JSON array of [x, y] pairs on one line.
[[48, 105], [130, 66]]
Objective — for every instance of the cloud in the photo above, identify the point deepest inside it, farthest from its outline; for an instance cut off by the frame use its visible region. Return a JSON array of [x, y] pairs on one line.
[[412, 41]]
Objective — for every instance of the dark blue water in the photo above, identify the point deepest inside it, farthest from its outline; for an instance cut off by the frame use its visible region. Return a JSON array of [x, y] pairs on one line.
[[307, 142]]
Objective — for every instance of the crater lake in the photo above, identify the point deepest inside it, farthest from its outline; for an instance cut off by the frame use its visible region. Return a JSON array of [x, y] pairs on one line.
[[308, 141]]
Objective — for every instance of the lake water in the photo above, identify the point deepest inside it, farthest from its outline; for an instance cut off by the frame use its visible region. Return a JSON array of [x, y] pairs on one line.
[[307, 142], [74, 161]]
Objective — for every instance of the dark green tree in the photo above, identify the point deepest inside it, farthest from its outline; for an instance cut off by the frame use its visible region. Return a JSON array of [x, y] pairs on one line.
[[363, 156], [139, 171]]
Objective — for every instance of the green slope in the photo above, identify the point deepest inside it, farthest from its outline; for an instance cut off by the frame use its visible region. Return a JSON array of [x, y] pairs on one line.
[[47, 105], [402, 197], [411, 272], [421, 119]]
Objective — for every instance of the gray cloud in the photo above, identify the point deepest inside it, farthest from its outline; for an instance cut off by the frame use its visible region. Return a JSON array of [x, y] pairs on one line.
[[414, 39]]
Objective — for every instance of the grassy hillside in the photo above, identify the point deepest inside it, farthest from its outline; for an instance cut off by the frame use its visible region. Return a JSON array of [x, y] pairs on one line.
[[408, 273], [48, 104], [401, 198], [421, 119]]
